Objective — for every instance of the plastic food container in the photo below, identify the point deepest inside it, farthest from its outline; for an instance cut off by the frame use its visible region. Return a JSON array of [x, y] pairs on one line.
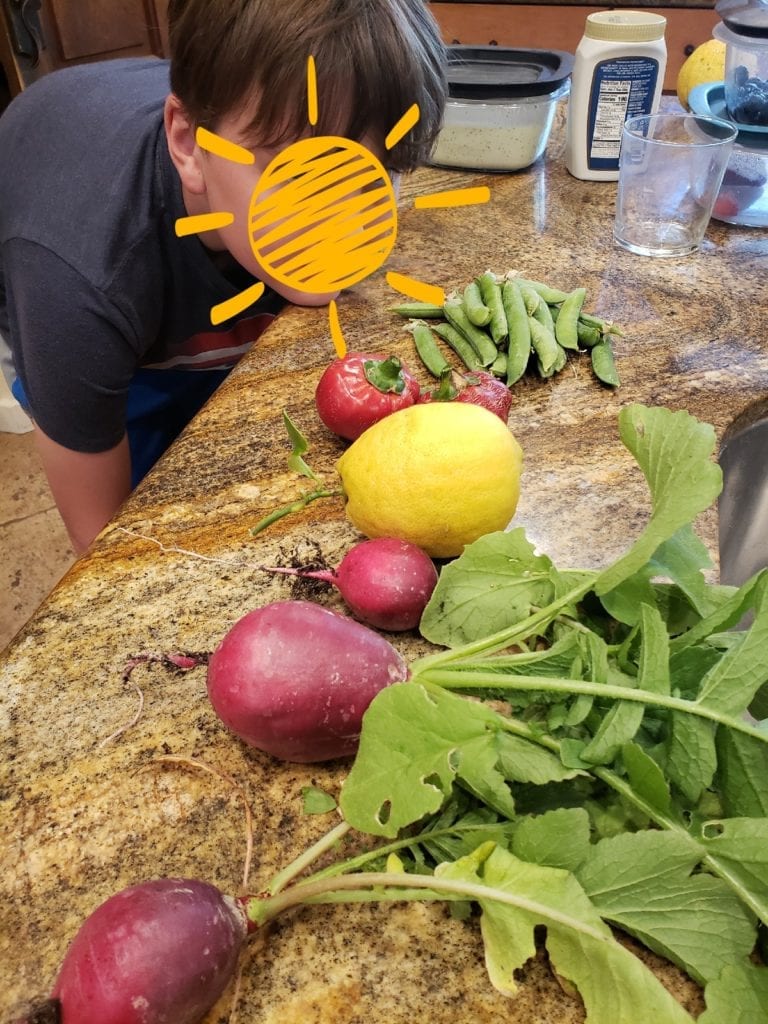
[[501, 105], [744, 30], [743, 196]]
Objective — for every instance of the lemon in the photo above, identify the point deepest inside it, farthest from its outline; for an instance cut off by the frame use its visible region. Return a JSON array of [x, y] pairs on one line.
[[438, 475], [705, 64]]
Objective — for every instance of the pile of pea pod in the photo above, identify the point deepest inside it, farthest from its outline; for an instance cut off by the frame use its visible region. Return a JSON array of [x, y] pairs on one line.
[[510, 325]]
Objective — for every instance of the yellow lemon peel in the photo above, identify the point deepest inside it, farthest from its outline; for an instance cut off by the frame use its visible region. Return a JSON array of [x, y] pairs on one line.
[[438, 475]]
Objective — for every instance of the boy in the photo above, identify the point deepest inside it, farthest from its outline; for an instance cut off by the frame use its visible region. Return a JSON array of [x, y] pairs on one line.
[[106, 311]]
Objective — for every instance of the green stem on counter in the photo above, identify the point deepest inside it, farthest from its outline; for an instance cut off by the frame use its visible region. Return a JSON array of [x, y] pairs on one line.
[[385, 886], [475, 675], [295, 506]]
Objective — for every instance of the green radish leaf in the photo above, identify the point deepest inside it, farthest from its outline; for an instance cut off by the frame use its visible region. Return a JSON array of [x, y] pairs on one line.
[[523, 761], [493, 584], [681, 559], [739, 848], [726, 616], [612, 982], [742, 774], [689, 755], [556, 839], [730, 685], [644, 883], [300, 447], [414, 744], [674, 450], [646, 778], [316, 800], [738, 996]]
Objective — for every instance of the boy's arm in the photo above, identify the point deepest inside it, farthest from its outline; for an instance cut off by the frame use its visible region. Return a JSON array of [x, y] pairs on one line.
[[88, 487]]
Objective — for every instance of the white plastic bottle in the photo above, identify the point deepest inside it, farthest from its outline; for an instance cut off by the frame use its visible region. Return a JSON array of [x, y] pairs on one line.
[[618, 73]]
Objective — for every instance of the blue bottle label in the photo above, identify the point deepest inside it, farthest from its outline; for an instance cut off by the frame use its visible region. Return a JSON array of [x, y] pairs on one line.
[[621, 88]]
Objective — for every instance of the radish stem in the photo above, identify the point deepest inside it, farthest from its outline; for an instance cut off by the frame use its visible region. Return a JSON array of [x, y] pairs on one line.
[[282, 878], [294, 506], [393, 887]]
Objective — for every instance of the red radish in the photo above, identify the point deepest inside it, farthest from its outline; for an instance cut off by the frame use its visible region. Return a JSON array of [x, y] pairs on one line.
[[294, 680], [156, 952], [386, 582], [478, 387], [362, 388]]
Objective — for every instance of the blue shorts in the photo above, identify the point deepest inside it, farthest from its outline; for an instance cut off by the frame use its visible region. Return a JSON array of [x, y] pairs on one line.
[[160, 404]]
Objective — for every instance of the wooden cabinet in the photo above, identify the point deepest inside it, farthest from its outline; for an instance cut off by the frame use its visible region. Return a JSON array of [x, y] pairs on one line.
[[66, 32], [99, 29], [560, 27]]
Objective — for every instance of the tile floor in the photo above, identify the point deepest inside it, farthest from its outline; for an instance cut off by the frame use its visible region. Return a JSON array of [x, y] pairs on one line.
[[34, 547]]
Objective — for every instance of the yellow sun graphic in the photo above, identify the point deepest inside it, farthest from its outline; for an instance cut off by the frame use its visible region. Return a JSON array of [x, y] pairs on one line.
[[323, 215]]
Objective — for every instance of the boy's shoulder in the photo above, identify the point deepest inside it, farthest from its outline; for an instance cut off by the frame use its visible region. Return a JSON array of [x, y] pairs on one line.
[[122, 82]]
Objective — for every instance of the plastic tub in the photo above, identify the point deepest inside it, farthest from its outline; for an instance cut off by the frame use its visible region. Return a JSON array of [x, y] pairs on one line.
[[501, 106]]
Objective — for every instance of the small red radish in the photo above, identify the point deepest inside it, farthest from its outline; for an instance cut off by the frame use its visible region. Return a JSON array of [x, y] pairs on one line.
[[158, 952], [294, 680], [362, 388], [386, 582]]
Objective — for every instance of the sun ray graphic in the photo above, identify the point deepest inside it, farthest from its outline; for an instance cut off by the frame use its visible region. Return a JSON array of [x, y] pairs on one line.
[[323, 215]]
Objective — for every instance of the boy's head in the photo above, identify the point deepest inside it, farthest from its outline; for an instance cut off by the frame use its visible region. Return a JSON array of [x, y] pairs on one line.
[[374, 59]]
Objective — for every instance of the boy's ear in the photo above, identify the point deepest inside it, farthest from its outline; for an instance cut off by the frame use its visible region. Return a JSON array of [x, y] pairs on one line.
[[184, 151]]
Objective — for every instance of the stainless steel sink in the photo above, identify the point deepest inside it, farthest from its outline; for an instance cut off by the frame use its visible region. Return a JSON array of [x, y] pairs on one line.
[[743, 504]]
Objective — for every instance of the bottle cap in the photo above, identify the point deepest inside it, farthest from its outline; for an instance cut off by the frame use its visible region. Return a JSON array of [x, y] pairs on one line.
[[625, 26]]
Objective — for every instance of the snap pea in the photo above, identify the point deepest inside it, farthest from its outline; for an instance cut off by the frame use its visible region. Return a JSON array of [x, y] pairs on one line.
[[544, 345], [588, 336], [499, 365], [481, 342], [543, 314], [560, 360], [604, 326], [603, 363], [474, 306], [519, 343], [566, 330], [423, 310], [490, 289], [531, 298], [552, 296], [456, 340], [427, 350]]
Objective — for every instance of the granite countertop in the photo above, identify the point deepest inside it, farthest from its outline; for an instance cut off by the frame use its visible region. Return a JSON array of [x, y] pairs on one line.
[[581, 3], [85, 815]]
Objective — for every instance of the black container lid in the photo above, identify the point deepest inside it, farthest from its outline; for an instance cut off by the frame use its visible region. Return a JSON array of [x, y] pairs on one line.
[[745, 17], [502, 72]]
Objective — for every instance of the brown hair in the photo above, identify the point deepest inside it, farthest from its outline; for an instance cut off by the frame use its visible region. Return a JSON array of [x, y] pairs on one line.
[[374, 59]]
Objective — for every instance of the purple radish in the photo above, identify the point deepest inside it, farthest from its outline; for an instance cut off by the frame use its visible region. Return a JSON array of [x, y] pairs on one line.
[[156, 952], [386, 582], [294, 679]]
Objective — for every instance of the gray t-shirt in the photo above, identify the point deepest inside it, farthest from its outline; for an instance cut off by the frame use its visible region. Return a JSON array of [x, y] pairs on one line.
[[94, 282]]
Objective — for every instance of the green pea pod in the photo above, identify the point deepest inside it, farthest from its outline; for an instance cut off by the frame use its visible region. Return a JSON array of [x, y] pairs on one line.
[[420, 310], [543, 314], [604, 326], [566, 328], [531, 297], [490, 289], [480, 341], [553, 296], [474, 306], [499, 365], [588, 336], [557, 366], [456, 340], [544, 345], [519, 344], [603, 363], [426, 347]]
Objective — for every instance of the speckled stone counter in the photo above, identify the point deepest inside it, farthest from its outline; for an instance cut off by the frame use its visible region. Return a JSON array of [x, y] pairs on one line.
[[84, 815]]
